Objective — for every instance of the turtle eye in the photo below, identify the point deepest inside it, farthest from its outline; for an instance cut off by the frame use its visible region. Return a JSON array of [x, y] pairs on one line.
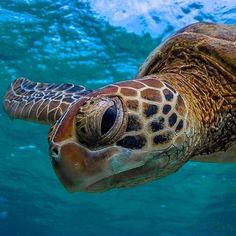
[[108, 119], [100, 121]]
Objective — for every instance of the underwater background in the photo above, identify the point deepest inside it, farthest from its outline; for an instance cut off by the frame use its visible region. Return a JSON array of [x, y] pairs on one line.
[[95, 43]]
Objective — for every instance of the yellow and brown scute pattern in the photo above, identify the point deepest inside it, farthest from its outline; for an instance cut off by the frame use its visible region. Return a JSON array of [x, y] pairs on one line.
[[156, 114]]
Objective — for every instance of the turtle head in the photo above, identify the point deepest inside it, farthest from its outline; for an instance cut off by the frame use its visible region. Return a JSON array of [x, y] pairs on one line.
[[118, 136]]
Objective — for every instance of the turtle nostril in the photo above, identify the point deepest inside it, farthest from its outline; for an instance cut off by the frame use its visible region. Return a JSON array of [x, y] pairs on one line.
[[54, 153]]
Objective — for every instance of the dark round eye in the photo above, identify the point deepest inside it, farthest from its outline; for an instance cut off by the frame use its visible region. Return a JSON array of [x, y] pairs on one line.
[[102, 120], [108, 119]]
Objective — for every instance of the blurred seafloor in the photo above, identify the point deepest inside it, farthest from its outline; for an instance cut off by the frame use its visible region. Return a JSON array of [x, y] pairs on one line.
[[95, 43]]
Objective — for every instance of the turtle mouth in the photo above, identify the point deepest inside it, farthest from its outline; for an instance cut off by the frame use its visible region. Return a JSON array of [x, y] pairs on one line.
[[77, 167], [82, 170]]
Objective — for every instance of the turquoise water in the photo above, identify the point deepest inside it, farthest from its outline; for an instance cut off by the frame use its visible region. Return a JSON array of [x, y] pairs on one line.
[[95, 43]]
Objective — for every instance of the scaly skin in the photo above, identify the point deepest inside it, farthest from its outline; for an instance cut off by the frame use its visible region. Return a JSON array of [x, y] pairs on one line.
[[200, 62]]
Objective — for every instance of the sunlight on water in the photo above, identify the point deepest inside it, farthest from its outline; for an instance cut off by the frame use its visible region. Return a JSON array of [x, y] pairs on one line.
[[161, 18], [95, 43]]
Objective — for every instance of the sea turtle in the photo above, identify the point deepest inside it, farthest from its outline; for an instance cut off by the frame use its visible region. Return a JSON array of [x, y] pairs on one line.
[[180, 106]]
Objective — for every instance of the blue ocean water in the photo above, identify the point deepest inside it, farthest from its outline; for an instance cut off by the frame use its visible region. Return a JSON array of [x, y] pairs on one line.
[[95, 43]]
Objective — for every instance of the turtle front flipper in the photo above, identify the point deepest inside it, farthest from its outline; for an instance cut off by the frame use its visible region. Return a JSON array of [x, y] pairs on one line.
[[40, 102]]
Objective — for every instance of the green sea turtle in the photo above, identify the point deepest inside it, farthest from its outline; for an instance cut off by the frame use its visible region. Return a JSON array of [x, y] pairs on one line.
[[180, 106]]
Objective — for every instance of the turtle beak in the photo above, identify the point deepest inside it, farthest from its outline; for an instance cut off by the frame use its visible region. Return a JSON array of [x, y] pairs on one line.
[[68, 164], [77, 167]]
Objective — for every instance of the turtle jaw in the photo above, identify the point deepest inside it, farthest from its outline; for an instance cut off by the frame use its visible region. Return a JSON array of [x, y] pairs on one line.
[[82, 170], [78, 168]]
